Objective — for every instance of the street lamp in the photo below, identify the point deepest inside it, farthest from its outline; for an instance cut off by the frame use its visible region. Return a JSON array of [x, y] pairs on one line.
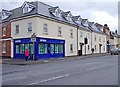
[[33, 39]]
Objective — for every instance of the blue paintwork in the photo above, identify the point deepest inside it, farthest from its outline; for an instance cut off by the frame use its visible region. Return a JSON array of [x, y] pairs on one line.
[[38, 40]]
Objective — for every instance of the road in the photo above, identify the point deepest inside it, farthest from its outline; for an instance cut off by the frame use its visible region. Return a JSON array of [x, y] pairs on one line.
[[90, 71]]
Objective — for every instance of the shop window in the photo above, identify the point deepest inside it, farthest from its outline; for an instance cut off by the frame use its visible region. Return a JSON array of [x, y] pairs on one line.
[[60, 48], [51, 48], [4, 47], [56, 48], [22, 50], [41, 48], [17, 49], [31, 47], [46, 48]]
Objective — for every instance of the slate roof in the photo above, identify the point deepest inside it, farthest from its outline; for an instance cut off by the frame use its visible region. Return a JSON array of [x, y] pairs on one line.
[[41, 9], [94, 28]]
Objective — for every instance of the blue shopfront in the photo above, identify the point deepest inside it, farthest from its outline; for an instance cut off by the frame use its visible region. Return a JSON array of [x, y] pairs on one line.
[[43, 48]]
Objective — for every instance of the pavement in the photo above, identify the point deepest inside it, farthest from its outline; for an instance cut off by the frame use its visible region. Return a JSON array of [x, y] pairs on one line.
[[30, 62]]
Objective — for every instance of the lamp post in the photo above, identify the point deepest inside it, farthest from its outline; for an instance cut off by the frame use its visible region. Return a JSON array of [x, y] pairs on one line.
[[33, 39]]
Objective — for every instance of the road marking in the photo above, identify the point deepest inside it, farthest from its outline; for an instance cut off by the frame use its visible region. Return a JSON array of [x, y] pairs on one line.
[[54, 78], [93, 63], [104, 65]]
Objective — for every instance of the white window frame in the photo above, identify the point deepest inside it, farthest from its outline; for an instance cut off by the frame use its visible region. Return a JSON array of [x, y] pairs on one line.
[[30, 27], [3, 31], [45, 28], [71, 33], [3, 47], [17, 29], [59, 31], [26, 9], [81, 34]]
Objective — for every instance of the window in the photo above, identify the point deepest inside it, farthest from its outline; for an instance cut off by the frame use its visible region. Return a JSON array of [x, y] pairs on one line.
[[71, 47], [88, 47], [57, 13], [17, 49], [29, 26], [46, 48], [22, 50], [71, 33], [4, 47], [95, 48], [60, 48], [31, 48], [25, 9], [3, 31], [45, 28], [100, 39], [51, 48], [81, 34], [41, 48], [95, 37], [17, 28], [56, 48], [59, 31]]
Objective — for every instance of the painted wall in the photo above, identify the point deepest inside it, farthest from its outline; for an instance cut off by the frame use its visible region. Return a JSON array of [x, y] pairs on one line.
[[37, 25], [98, 42], [81, 40], [53, 33]]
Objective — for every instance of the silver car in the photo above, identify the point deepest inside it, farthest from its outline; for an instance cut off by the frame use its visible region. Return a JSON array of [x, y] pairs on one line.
[[114, 51]]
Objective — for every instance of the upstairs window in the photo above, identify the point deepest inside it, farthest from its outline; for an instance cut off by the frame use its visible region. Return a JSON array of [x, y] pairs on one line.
[[81, 34], [25, 9], [71, 33], [57, 13], [29, 26], [59, 31], [3, 31], [95, 37], [17, 29], [45, 28]]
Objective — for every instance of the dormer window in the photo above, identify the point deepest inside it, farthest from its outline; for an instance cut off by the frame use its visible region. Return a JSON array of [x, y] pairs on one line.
[[55, 11], [5, 14], [25, 10], [27, 7]]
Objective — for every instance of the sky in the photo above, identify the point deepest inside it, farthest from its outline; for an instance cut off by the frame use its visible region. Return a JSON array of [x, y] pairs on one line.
[[98, 11]]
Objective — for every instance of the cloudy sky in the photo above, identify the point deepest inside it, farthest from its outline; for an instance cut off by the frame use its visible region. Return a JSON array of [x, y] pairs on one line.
[[100, 11]]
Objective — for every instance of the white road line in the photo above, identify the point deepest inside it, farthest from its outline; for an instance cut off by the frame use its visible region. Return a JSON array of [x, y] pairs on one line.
[[104, 65], [54, 78], [93, 63], [14, 78]]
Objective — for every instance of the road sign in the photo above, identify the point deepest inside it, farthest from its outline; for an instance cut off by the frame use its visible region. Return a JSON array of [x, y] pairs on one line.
[[33, 37]]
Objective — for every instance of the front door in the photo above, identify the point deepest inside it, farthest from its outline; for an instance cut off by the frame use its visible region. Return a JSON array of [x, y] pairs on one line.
[[100, 48]]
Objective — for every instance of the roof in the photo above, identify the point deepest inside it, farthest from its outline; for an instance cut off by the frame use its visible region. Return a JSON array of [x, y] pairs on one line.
[[40, 9], [94, 28]]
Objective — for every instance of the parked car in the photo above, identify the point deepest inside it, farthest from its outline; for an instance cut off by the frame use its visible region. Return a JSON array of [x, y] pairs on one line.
[[114, 51]]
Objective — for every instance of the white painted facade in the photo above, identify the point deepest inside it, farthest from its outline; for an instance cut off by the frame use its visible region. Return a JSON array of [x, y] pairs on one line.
[[37, 27], [100, 40]]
